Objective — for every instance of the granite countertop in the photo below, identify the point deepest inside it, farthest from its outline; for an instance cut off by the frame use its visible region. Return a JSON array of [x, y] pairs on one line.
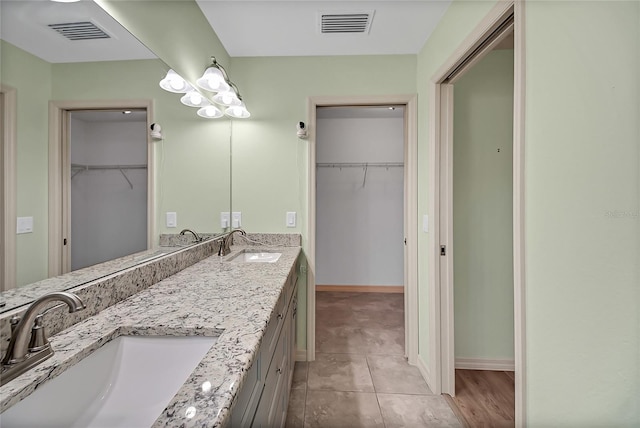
[[213, 297], [24, 295]]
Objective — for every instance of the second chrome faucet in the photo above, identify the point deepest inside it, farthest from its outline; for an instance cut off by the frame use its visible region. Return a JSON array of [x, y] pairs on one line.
[[225, 245]]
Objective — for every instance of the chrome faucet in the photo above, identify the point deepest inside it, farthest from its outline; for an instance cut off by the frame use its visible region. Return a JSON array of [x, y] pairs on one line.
[[195, 235], [29, 345], [225, 245]]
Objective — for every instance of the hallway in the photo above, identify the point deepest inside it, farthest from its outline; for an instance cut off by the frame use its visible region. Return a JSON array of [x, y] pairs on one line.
[[360, 377]]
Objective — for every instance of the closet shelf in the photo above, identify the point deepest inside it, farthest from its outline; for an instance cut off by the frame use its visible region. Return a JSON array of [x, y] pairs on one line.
[[78, 168]]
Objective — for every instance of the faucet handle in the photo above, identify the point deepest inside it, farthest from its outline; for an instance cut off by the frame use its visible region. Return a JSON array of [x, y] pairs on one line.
[[38, 340], [14, 321]]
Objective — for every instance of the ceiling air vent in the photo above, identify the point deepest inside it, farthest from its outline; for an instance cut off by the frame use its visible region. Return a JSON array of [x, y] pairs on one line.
[[345, 23], [80, 31]]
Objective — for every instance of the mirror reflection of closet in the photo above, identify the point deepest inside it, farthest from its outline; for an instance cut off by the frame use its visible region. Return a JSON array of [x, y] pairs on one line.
[[108, 185]]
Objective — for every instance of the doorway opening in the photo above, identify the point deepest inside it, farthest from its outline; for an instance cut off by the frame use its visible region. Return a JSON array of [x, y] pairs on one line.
[[100, 182], [360, 233], [466, 224], [352, 175]]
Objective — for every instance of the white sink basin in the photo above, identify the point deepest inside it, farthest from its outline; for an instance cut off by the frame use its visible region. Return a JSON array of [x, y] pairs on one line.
[[249, 257], [126, 383]]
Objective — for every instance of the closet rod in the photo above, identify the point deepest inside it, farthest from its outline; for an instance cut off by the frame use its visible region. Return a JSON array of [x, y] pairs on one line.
[[361, 165], [89, 167]]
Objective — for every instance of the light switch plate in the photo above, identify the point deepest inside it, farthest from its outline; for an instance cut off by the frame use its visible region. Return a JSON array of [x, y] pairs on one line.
[[291, 219], [225, 221], [172, 219], [24, 225], [236, 219]]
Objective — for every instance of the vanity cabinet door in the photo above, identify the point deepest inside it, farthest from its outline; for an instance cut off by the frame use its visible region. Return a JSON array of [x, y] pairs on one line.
[[266, 412], [293, 319], [247, 399]]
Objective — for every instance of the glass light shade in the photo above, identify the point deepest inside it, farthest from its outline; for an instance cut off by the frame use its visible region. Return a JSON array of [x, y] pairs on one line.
[[174, 83], [210, 112], [239, 112], [213, 80], [194, 98], [227, 98]]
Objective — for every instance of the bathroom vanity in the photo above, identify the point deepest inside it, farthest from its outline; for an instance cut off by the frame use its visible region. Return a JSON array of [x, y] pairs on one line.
[[250, 310]]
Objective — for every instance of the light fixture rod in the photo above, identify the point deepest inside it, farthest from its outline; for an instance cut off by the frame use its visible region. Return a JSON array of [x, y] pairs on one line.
[[233, 86]]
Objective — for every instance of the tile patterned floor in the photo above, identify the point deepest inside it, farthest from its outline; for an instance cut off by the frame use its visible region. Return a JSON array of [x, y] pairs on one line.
[[360, 377]]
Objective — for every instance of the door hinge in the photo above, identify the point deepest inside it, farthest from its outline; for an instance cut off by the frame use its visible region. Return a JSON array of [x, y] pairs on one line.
[[405, 241], [64, 241], [443, 250]]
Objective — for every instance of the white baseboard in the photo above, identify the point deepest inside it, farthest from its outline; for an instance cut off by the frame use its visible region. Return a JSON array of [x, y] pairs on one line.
[[485, 364], [424, 371], [301, 355]]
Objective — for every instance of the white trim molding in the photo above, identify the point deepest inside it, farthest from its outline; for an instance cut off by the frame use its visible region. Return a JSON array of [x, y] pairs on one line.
[[9, 190], [485, 364], [410, 212], [441, 360], [423, 368], [301, 355], [59, 221]]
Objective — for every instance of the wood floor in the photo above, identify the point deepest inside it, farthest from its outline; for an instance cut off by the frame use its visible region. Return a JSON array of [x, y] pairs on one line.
[[485, 398]]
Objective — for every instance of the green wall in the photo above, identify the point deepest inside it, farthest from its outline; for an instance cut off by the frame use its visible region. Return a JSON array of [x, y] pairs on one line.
[[31, 77], [582, 213], [582, 187], [483, 209]]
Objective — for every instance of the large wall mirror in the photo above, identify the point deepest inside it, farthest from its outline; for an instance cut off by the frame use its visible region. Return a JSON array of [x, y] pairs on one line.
[[86, 60]]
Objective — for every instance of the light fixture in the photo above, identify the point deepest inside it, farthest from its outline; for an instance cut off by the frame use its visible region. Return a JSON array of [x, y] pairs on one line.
[[194, 98], [65, 1], [210, 112], [173, 82], [214, 78], [238, 112], [227, 98]]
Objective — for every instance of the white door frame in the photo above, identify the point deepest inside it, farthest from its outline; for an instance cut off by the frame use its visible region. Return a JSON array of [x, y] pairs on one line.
[[60, 177], [441, 339], [410, 213], [9, 189]]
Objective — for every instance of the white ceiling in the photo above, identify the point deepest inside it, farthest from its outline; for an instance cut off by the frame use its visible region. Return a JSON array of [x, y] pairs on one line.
[[246, 28], [24, 23], [290, 28]]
